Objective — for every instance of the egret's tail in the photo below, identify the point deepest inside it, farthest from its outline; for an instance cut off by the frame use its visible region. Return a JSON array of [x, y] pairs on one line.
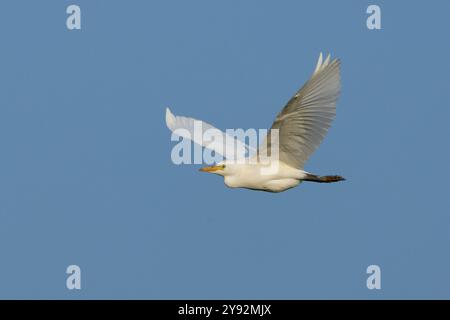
[[323, 179]]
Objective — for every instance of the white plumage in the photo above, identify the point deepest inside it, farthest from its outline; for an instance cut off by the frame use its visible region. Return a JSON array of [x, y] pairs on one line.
[[302, 124]]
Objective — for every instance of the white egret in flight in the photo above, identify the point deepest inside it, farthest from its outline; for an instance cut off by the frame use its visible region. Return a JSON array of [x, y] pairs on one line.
[[302, 124]]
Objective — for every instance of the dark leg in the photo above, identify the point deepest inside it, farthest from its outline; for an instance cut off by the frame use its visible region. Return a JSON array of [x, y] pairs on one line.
[[323, 179]]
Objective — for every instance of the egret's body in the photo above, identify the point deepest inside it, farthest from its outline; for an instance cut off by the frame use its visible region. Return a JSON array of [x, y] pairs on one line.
[[251, 176], [302, 124]]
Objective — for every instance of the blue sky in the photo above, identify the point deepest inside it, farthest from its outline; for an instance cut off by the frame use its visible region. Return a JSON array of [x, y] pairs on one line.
[[86, 176]]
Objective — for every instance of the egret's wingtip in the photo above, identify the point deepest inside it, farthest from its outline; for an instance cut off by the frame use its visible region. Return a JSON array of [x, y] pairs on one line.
[[319, 63], [170, 118], [327, 60]]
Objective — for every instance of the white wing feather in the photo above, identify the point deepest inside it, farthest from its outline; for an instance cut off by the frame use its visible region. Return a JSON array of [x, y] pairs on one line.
[[189, 128], [304, 121]]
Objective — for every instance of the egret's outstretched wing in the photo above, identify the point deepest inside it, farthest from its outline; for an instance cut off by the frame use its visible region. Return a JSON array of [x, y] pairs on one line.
[[207, 136], [304, 121]]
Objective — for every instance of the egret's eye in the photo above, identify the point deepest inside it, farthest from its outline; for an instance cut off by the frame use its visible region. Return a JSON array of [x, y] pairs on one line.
[[223, 166]]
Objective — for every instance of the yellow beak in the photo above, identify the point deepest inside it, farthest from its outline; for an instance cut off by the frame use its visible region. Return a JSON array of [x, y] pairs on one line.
[[211, 169]]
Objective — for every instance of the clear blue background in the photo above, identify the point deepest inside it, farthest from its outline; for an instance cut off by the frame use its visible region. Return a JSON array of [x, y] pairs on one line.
[[86, 176]]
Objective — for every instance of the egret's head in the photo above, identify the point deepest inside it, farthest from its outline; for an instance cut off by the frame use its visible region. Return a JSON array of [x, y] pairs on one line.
[[220, 169]]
